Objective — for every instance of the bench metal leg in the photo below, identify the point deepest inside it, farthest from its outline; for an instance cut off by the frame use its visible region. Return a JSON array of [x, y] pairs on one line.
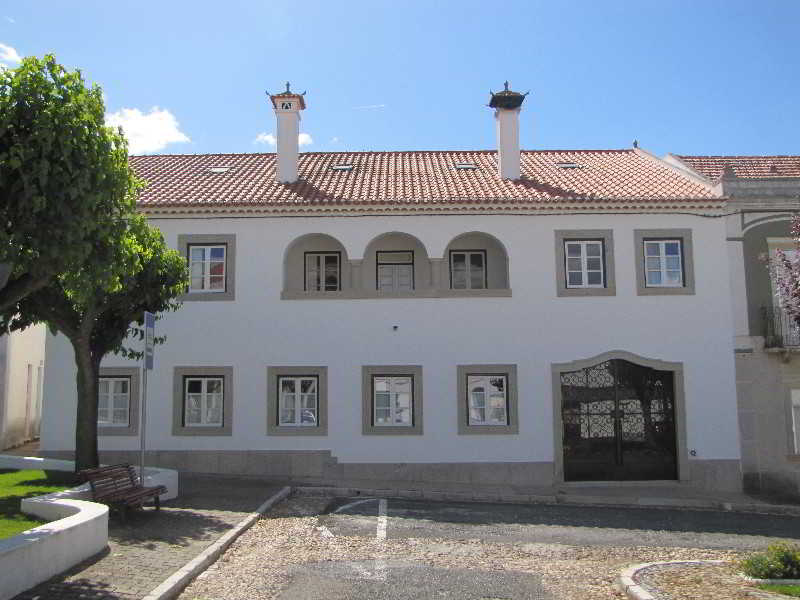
[[157, 502]]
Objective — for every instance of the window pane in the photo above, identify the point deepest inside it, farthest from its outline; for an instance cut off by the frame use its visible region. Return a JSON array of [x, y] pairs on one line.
[[194, 386], [405, 277], [382, 400], [477, 415], [217, 268], [654, 263], [287, 416], [402, 384], [478, 398], [103, 389], [382, 416], [214, 386], [121, 402], [381, 384], [308, 386], [654, 277], [308, 401], [459, 268], [672, 248], [120, 416], [386, 278], [394, 257], [574, 278], [331, 273], [197, 283], [308, 416], [216, 283], [593, 249], [593, 264], [573, 264], [497, 384], [594, 278], [102, 402], [287, 386], [121, 386], [574, 250], [402, 415], [673, 277], [652, 248], [197, 253], [673, 263], [217, 253]]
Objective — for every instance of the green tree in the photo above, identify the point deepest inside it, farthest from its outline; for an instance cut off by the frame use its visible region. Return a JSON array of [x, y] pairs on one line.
[[94, 306], [65, 183]]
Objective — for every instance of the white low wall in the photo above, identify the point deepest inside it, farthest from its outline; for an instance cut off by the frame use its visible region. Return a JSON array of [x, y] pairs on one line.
[[78, 528]]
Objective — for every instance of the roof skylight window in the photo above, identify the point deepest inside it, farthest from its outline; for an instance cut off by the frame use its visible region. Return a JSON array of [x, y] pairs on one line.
[[466, 166], [342, 168], [218, 170], [569, 165]]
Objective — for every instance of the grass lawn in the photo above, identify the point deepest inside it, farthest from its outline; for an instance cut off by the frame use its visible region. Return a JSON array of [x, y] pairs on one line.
[[786, 590], [16, 485]]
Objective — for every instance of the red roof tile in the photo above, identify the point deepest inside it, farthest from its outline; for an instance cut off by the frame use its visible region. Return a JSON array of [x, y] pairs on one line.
[[411, 178], [746, 167]]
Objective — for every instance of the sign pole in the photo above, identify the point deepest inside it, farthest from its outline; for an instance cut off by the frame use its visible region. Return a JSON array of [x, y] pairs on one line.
[[149, 342]]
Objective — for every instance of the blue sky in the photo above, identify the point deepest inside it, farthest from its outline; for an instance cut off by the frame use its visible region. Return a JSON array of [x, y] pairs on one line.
[[693, 77]]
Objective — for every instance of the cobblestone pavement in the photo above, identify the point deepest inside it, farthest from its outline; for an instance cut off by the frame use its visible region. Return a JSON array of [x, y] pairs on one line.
[[150, 545], [315, 548]]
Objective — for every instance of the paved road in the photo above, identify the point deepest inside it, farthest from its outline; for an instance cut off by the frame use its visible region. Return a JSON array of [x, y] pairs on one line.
[[559, 524]]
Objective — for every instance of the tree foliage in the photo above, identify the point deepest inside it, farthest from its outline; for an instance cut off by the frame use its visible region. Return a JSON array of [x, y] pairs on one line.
[[94, 305], [65, 183]]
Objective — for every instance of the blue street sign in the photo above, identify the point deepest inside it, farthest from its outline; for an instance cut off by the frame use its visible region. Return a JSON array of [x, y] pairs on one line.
[[149, 339]]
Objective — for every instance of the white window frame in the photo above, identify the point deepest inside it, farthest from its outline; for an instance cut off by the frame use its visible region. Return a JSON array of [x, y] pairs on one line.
[[480, 379], [468, 266], [207, 262], [388, 262], [795, 408], [392, 403], [320, 284], [205, 397], [111, 397], [298, 397], [662, 256], [584, 258]]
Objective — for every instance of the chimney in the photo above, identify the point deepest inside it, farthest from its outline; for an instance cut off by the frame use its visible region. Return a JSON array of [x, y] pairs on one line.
[[506, 105], [287, 107]]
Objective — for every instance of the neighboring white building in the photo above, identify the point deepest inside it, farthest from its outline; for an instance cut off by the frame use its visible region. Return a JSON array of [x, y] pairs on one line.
[[21, 373], [431, 318], [763, 194]]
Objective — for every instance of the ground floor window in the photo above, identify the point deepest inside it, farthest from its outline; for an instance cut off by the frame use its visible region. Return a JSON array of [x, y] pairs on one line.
[[393, 401], [487, 399], [298, 401], [114, 402], [203, 401]]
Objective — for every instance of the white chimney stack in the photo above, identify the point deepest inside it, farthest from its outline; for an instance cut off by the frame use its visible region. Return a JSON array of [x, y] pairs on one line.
[[507, 105], [287, 107]]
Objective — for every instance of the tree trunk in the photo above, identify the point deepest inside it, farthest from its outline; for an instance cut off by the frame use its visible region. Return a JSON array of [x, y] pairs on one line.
[[86, 456]]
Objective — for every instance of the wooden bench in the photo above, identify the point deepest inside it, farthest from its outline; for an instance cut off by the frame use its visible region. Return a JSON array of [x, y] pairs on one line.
[[119, 486]]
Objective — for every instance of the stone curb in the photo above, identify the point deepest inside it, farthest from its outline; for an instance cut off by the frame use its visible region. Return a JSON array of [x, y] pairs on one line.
[[175, 583], [615, 501], [627, 584]]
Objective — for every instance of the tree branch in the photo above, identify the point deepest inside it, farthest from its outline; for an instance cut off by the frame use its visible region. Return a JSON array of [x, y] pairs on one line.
[[16, 289]]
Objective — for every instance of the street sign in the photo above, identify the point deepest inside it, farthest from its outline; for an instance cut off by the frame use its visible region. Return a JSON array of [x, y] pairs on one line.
[[149, 339]]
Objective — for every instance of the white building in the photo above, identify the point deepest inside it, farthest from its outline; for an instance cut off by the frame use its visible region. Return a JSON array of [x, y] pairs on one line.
[[21, 375], [448, 318]]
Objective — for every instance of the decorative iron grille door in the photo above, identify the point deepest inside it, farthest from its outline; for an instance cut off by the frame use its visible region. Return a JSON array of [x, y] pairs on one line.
[[618, 423]]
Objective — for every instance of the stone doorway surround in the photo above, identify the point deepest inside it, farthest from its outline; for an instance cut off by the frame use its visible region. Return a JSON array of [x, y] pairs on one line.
[[680, 406]]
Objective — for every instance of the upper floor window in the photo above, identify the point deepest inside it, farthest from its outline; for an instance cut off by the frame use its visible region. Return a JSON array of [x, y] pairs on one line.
[[395, 271], [663, 263], [468, 269], [584, 263], [207, 268], [323, 271], [114, 401]]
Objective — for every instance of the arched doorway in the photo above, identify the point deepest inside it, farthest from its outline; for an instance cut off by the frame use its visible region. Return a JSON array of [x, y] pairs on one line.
[[618, 421]]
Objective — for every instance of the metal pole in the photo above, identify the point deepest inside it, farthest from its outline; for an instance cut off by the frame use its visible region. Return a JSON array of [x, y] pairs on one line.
[[143, 424]]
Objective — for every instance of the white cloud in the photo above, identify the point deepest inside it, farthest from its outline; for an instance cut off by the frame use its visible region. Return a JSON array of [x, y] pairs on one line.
[[11, 20], [147, 132], [304, 139], [265, 138], [334, 140], [9, 55]]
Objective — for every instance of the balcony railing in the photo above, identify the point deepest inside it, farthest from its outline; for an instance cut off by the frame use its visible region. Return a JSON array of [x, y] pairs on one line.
[[780, 331]]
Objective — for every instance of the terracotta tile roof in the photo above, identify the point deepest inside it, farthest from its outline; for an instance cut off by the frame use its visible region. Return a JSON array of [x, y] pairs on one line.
[[746, 167], [406, 179]]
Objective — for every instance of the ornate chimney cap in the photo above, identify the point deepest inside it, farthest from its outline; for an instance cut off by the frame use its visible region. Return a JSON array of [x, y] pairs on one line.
[[288, 94], [507, 98]]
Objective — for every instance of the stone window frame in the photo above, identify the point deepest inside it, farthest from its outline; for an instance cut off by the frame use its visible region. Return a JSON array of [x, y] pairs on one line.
[[133, 374], [368, 372], [687, 255], [178, 401], [512, 399], [603, 235], [681, 449], [273, 373], [185, 240]]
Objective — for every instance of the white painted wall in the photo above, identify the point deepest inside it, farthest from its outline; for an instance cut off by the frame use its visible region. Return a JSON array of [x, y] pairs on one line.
[[20, 411], [532, 329]]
